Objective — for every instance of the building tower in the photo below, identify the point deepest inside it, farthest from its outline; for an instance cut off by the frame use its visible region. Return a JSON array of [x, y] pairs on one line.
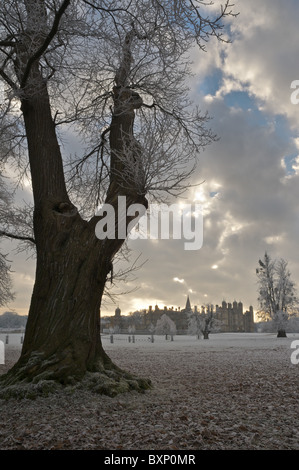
[[117, 312], [188, 308]]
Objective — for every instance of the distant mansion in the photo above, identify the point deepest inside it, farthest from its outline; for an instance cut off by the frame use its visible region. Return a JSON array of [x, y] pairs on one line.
[[231, 316], [234, 319]]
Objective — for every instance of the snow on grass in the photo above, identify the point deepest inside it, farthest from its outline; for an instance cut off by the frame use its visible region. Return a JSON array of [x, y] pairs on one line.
[[216, 341], [232, 391]]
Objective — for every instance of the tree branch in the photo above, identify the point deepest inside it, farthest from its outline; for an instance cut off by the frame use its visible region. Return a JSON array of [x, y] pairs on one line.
[[17, 237], [46, 43], [7, 43], [8, 80]]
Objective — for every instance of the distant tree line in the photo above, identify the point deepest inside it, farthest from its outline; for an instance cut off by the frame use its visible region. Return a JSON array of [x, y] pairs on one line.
[[12, 320]]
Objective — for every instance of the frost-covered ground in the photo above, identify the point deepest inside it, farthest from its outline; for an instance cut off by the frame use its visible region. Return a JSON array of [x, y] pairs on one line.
[[233, 391]]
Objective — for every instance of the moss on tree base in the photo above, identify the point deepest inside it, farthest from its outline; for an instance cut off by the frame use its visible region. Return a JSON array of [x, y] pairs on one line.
[[105, 379], [109, 383]]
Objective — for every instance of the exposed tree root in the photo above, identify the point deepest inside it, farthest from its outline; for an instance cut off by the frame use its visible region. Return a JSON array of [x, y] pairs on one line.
[[109, 380], [100, 383]]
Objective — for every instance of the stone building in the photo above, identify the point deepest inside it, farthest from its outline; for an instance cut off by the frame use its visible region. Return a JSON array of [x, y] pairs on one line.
[[177, 315], [231, 317]]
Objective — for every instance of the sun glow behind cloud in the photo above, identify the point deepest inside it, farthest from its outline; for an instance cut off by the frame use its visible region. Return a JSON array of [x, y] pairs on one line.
[[250, 177], [249, 188]]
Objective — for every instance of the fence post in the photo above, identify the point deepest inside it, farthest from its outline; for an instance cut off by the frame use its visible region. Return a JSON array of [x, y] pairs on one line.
[[152, 338], [133, 338], [7, 339], [111, 338], [2, 352]]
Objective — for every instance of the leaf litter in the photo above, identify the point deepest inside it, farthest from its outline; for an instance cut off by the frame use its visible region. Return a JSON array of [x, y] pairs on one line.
[[231, 392]]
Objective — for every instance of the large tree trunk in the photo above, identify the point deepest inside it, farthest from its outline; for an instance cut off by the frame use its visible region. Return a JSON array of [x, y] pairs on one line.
[[62, 341], [281, 333]]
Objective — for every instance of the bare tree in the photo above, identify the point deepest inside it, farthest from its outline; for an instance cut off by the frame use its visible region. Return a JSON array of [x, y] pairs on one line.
[[112, 74], [203, 323], [165, 326], [6, 294], [194, 324], [277, 293], [209, 323]]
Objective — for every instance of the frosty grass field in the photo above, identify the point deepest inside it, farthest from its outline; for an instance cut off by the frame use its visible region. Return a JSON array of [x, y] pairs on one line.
[[235, 391]]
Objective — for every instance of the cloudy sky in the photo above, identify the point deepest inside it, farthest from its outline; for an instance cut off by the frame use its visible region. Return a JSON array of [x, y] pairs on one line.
[[250, 176]]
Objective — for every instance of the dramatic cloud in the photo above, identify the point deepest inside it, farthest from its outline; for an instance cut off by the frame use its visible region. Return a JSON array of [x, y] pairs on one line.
[[250, 175], [248, 181]]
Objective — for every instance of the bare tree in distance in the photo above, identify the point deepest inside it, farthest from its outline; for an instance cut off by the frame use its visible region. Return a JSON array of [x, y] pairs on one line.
[[6, 294], [165, 326], [111, 75], [277, 292], [203, 323]]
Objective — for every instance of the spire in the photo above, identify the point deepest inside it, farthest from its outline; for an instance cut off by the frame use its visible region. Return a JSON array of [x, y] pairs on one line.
[[188, 304]]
